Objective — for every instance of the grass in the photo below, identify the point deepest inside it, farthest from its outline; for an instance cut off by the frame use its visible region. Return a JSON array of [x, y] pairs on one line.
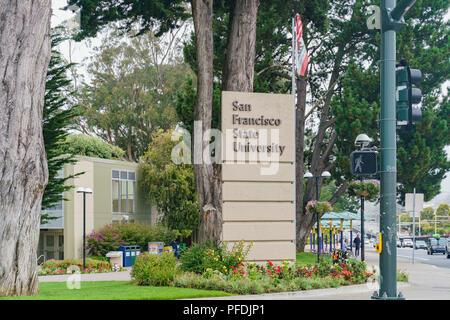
[[114, 290], [309, 259]]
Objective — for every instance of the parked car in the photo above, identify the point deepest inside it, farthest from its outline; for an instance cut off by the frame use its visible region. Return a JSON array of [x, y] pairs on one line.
[[399, 243], [447, 248], [407, 243], [420, 244], [436, 245]]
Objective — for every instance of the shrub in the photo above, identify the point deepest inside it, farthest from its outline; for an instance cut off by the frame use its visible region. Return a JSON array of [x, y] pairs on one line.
[[112, 236], [201, 257], [154, 270]]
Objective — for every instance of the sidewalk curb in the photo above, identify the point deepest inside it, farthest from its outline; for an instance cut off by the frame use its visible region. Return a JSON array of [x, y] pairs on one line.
[[351, 289]]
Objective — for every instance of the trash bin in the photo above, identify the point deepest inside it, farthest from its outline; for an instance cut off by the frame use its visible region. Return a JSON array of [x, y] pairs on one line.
[[126, 252], [155, 247], [135, 251], [176, 248], [115, 257]]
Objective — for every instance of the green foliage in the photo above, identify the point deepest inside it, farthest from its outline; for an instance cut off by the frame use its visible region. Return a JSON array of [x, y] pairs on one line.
[[369, 189], [421, 158], [443, 210], [154, 270], [249, 278], [83, 145], [96, 14], [112, 236], [203, 256], [427, 213], [133, 91], [402, 276], [58, 116], [170, 186]]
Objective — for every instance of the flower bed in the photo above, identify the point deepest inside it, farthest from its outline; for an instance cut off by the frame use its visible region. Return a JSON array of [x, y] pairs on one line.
[[249, 278], [69, 266], [224, 268]]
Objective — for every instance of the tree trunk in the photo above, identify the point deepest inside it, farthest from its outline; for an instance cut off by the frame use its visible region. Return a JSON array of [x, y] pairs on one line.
[[208, 183], [299, 158], [238, 76], [24, 58], [239, 64]]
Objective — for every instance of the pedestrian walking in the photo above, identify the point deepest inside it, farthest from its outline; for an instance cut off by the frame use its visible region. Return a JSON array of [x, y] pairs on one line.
[[357, 243]]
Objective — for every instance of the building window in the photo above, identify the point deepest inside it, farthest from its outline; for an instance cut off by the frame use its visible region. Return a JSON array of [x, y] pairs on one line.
[[123, 192]]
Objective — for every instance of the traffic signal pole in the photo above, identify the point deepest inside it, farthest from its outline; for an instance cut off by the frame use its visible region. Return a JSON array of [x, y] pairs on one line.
[[388, 174], [388, 257]]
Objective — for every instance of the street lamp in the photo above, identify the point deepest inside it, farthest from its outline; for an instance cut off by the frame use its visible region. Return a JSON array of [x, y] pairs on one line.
[[84, 191], [309, 175], [362, 140]]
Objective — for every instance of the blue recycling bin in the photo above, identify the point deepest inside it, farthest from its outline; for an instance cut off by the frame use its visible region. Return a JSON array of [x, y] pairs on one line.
[[129, 254], [176, 248]]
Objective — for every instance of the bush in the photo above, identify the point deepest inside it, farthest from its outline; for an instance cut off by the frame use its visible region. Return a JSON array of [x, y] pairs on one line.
[[201, 257], [154, 270], [112, 236]]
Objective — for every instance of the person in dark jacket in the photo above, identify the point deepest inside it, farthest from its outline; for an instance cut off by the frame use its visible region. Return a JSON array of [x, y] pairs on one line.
[[357, 243]]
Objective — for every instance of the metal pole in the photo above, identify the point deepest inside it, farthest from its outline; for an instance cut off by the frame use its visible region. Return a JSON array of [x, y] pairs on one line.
[[318, 223], [331, 239], [414, 224], [362, 225], [294, 36], [388, 173], [435, 230], [84, 230]]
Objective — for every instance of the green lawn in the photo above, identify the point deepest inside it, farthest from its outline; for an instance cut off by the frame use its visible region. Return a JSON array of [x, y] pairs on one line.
[[306, 258], [114, 290]]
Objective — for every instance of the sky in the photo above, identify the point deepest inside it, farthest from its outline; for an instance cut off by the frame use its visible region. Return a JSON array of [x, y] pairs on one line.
[[83, 50]]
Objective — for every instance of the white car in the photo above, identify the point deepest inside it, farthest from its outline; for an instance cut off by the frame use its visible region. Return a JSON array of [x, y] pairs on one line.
[[407, 243]]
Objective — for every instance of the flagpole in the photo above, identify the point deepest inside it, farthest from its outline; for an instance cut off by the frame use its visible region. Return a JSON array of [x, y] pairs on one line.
[[294, 36]]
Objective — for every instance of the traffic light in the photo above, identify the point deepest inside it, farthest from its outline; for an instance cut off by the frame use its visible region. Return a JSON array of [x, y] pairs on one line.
[[407, 95]]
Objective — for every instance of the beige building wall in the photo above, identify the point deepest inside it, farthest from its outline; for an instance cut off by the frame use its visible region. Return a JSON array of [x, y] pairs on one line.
[[258, 197], [73, 213], [98, 177]]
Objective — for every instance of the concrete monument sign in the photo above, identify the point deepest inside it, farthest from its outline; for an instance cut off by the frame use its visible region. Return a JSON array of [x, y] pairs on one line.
[[258, 173]]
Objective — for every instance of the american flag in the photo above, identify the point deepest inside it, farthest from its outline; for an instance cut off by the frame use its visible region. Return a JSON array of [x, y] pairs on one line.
[[301, 59]]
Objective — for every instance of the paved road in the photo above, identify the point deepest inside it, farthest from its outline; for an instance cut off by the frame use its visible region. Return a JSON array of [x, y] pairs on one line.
[[420, 255], [427, 281]]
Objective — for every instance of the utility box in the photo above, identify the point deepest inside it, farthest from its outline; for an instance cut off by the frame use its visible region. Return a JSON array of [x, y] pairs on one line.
[[115, 257], [155, 247]]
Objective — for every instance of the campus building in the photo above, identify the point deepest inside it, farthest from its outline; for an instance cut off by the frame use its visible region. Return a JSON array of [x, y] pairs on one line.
[[115, 197]]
